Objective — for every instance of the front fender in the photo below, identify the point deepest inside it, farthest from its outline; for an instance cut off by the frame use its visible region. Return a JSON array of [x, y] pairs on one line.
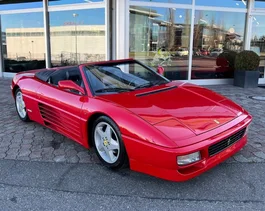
[[129, 123]]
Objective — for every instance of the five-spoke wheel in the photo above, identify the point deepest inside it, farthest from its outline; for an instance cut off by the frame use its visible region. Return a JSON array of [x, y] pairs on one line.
[[20, 106], [108, 143]]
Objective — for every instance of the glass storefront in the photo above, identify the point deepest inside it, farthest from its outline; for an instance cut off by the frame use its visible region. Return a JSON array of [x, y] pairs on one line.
[[160, 36], [62, 2], [169, 1], [224, 3], [215, 33], [77, 36], [22, 5], [258, 40], [260, 4], [23, 41]]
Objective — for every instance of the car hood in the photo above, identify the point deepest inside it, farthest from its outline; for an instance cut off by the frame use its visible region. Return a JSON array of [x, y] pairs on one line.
[[179, 110]]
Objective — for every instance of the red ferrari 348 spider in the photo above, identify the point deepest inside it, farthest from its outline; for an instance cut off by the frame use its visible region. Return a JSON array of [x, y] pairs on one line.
[[134, 116]]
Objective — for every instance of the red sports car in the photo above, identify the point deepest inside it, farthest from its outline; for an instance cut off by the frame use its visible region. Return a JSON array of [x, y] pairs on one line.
[[134, 116]]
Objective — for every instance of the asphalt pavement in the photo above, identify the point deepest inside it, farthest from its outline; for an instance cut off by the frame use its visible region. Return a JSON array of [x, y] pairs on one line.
[[60, 186]]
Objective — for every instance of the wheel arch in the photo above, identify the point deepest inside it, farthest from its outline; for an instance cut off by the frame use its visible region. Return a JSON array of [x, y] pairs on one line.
[[15, 88]]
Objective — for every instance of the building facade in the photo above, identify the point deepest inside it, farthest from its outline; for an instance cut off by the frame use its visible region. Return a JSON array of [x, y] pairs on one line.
[[184, 36]]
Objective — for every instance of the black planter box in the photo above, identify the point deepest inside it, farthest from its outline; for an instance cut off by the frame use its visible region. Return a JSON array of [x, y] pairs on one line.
[[246, 79]]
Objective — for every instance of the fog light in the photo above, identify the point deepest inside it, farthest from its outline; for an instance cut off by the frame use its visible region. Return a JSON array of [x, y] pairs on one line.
[[188, 159], [247, 129]]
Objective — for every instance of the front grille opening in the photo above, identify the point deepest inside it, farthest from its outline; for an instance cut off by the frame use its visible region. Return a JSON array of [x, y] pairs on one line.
[[224, 144]]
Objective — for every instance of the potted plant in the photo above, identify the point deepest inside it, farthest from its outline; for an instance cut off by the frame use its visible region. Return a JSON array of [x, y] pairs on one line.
[[246, 69]]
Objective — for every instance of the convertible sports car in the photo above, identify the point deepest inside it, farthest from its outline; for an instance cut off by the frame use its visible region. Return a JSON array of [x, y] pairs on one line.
[[134, 116]]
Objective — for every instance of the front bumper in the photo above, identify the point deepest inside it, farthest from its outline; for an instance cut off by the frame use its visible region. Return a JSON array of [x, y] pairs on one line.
[[162, 162]]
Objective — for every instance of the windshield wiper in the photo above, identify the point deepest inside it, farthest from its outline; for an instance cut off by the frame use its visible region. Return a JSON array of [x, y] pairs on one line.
[[113, 89], [145, 85]]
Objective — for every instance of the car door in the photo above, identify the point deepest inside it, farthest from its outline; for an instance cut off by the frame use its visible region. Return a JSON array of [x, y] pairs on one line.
[[61, 109]]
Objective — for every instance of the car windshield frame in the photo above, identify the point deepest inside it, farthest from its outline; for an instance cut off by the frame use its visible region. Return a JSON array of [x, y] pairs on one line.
[[91, 69]]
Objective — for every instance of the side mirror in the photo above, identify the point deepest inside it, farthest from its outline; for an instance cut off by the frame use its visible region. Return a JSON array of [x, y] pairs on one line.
[[68, 84], [160, 70]]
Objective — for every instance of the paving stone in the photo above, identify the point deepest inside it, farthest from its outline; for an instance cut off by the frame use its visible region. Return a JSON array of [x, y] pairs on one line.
[[36, 154], [11, 157], [2, 155], [23, 158], [71, 153], [13, 151], [14, 145], [60, 158], [73, 159], [84, 157], [36, 147], [3, 149], [59, 152], [24, 152]]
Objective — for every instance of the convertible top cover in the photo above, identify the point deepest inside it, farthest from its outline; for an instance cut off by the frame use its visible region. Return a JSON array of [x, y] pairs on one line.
[[44, 75]]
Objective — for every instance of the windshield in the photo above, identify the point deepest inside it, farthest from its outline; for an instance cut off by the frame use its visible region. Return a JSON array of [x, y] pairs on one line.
[[122, 77]]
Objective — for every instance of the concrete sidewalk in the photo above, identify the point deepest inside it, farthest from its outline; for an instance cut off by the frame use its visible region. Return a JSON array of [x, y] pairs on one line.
[[32, 142]]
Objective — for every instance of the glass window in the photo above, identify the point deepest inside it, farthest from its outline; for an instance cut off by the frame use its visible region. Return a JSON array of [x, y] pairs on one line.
[[77, 36], [60, 2], [23, 50], [216, 33], [160, 36], [224, 3], [35, 4], [258, 40], [169, 1], [259, 4]]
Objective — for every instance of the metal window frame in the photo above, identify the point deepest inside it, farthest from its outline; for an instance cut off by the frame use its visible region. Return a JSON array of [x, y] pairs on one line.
[[252, 12], [87, 6], [122, 32], [78, 6]]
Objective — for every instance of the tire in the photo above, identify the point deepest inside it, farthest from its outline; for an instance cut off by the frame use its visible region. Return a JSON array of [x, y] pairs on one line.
[[108, 143], [20, 106]]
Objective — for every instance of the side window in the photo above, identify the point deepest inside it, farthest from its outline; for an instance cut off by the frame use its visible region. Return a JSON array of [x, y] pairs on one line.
[[58, 75], [72, 74]]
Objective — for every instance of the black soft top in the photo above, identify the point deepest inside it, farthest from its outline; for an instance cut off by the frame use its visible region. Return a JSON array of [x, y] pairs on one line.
[[44, 75]]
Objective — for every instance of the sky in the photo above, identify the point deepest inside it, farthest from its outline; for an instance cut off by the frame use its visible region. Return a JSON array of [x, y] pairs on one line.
[[60, 18], [39, 4]]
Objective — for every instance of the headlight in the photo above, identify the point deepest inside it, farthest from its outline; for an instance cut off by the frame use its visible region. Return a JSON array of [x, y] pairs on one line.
[[188, 159]]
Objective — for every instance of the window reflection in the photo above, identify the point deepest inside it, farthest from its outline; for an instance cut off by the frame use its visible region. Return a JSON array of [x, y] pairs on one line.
[[216, 34], [258, 40], [160, 37], [259, 4], [169, 1], [225, 3], [24, 5], [60, 2], [23, 42], [77, 36]]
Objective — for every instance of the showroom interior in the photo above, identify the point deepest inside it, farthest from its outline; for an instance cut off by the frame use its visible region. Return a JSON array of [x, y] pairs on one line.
[[184, 36]]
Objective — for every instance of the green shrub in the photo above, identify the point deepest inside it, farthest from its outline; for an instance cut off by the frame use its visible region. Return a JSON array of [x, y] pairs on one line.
[[230, 56], [247, 60]]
